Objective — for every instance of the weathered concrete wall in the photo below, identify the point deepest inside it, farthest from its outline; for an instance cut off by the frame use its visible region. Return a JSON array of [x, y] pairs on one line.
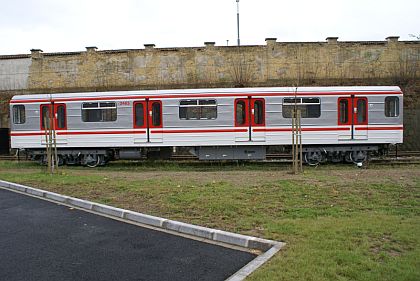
[[14, 74], [332, 62], [411, 116], [276, 63]]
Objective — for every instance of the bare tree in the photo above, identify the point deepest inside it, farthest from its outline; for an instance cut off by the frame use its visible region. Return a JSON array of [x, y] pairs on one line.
[[405, 69], [241, 69]]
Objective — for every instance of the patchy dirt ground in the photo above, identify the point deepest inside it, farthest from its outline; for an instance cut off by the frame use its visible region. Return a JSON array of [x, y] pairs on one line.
[[249, 177], [161, 189]]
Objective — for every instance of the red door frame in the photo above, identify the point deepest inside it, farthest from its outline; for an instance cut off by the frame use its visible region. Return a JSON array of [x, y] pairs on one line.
[[253, 101], [149, 107], [147, 116], [250, 113], [53, 115], [246, 121], [352, 112], [356, 113], [348, 109], [135, 115]]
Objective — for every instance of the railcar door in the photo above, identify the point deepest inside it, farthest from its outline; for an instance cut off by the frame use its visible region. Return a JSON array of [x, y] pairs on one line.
[[353, 113], [147, 121], [155, 120], [249, 117], [55, 119], [139, 122]]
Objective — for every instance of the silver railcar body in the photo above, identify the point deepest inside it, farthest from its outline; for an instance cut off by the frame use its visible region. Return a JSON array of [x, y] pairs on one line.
[[220, 117]]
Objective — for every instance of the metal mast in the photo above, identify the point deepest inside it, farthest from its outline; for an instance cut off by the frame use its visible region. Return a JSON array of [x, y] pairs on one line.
[[237, 20]]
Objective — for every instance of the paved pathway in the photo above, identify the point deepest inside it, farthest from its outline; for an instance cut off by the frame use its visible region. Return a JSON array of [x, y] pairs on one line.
[[43, 241]]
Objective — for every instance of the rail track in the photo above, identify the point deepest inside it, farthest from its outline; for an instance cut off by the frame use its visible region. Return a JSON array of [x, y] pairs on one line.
[[401, 157], [9, 157]]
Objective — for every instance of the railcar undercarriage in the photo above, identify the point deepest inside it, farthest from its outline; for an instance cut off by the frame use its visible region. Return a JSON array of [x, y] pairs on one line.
[[311, 154], [314, 155]]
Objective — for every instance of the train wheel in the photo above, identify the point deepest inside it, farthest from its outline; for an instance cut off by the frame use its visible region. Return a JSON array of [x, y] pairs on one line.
[[313, 158], [93, 160], [358, 156]]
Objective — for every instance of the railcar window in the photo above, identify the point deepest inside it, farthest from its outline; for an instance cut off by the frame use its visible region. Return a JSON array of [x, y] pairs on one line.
[[19, 116], [344, 113], [309, 107], [240, 112], [392, 106], [258, 112], [99, 112], [361, 111], [61, 117], [197, 109], [139, 114], [156, 114]]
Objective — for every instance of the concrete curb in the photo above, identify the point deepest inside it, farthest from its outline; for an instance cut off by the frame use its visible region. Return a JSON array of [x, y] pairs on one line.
[[268, 247], [256, 263]]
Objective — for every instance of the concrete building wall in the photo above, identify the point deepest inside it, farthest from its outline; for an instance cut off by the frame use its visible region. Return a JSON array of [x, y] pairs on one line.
[[332, 62], [14, 74]]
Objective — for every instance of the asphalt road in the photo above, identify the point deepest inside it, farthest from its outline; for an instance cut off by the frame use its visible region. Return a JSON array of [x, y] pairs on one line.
[[43, 241]]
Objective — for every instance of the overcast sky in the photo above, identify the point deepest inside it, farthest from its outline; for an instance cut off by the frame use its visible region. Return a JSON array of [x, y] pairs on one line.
[[71, 25]]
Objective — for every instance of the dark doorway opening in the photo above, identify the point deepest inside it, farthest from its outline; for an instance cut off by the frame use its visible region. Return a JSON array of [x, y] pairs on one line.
[[4, 141]]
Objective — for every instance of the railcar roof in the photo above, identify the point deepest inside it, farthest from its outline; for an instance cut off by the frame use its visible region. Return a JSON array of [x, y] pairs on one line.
[[291, 90]]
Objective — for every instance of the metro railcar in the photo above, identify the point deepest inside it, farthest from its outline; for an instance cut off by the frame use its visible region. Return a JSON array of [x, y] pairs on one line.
[[338, 123]]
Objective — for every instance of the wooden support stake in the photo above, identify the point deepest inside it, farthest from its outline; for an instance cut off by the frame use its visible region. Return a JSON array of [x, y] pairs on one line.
[[299, 115], [54, 134], [47, 142], [297, 151], [50, 145], [293, 142]]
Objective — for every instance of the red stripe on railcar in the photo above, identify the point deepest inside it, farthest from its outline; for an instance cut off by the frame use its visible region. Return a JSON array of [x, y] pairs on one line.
[[102, 132], [379, 128], [200, 131], [303, 129], [79, 133], [27, 134]]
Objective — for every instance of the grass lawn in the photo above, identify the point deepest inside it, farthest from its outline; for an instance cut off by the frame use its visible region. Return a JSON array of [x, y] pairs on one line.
[[339, 222]]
